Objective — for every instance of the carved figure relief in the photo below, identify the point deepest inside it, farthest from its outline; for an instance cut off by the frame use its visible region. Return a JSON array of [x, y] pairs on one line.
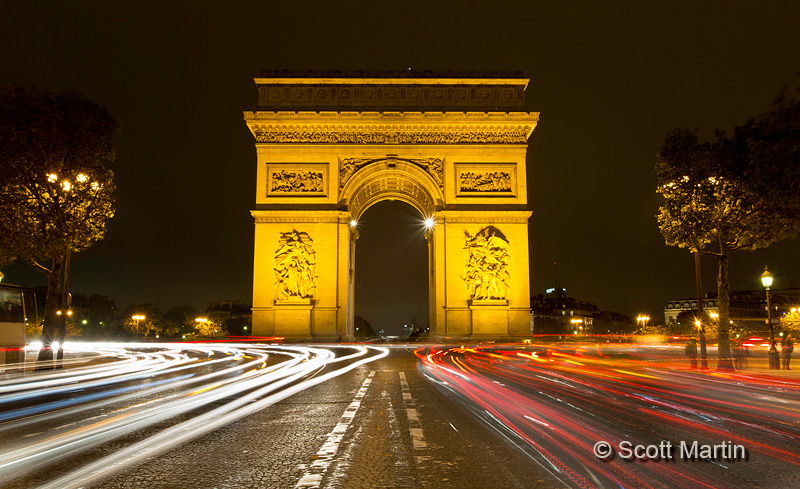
[[433, 166], [351, 165], [295, 267], [291, 181], [486, 274], [492, 181]]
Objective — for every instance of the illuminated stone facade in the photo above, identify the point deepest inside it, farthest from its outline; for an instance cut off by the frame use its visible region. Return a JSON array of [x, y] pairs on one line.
[[328, 148]]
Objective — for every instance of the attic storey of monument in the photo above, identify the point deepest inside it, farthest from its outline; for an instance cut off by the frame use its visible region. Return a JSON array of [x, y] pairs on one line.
[[454, 148]]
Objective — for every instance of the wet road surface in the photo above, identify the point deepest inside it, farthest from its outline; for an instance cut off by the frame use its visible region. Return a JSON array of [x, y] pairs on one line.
[[405, 417]]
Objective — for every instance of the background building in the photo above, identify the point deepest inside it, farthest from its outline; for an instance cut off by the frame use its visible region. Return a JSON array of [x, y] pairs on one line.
[[748, 308], [556, 313]]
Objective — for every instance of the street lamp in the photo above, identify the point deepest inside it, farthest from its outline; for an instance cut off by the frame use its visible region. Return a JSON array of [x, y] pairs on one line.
[[642, 319], [703, 349], [137, 318], [203, 322], [774, 362]]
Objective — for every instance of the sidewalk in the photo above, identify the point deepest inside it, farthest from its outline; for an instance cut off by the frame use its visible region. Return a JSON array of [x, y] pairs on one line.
[[755, 367], [760, 366]]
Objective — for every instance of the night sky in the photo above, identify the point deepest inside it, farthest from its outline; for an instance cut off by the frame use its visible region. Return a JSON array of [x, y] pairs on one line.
[[609, 78]]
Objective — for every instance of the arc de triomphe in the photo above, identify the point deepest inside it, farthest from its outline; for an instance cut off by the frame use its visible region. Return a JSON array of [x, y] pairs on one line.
[[330, 147]]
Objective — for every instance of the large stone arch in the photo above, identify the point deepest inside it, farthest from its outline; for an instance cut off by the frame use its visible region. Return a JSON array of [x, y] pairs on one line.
[[329, 148]]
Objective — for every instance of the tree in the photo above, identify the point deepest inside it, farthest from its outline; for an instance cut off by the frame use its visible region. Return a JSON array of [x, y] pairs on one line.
[[613, 322], [181, 320], [362, 328], [6, 258], [652, 329], [790, 322], [687, 323], [732, 193], [56, 194], [152, 323], [208, 328]]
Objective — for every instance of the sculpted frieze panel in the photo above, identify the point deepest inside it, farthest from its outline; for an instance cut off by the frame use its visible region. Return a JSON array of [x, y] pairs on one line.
[[295, 267], [264, 135], [487, 181], [487, 269], [296, 181]]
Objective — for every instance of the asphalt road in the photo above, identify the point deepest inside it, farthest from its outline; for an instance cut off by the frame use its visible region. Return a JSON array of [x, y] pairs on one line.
[[437, 417], [404, 433], [622, 416]]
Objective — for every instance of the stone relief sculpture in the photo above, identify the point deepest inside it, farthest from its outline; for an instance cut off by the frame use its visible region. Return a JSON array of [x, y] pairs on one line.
[[490, 181], [351, 165], [348, 167], [295, 267], [483, 137], [487, 273], [302, 181], [433, 166]]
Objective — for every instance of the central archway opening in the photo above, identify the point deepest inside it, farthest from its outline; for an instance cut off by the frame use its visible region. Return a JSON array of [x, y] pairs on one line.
[[391, 271]]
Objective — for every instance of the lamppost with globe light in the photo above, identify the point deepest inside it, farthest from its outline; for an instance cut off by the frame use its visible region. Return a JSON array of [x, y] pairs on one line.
[[81, 191], [137, 318], [703, 349], [774, 358]]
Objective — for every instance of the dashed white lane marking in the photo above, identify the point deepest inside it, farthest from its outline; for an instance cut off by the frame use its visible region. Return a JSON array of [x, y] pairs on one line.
[[414, 424], [316, 471]]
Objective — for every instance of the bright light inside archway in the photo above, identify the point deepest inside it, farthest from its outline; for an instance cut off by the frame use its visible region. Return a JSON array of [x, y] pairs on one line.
[[353, 223], [430, 222]]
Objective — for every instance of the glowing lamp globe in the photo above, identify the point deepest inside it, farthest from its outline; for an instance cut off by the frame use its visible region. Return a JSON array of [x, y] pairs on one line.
[[766, 278]]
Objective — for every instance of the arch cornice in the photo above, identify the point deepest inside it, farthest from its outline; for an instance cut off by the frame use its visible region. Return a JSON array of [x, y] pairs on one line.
[[391, 127], [391, 179]]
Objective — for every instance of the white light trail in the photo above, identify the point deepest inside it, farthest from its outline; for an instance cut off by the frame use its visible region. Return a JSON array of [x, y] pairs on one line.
[[148, 384]]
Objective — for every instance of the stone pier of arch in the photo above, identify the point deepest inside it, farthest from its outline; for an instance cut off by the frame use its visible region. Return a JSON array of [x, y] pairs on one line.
[[329, 148]]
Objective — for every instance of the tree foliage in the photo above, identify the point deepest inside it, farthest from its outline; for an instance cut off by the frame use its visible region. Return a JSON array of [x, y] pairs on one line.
[[56, 192], [208, 328], [363, 328], [790, 322], [686, 324], [733, 193]]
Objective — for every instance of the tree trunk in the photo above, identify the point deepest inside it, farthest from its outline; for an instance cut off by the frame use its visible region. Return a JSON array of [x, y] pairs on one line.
[[65, 307], [50, 316], [724, 361]]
